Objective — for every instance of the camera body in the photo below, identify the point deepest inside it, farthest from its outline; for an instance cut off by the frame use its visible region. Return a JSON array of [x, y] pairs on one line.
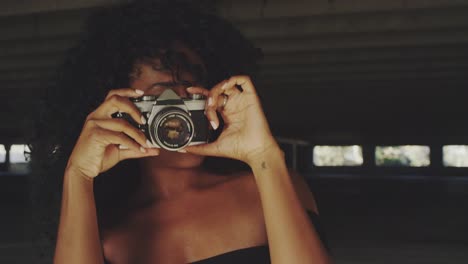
[[172, 122]]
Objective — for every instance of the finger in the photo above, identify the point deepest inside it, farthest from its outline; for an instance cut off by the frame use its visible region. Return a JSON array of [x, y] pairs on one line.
[[117, 103], [125, 92], [109, 137], [210, 112], [132, 154], [222, 101], [216, 97], [210, 109], [210, 149], [243, 81], [121, 125], [198, 90], [215, 93], [206, 93]]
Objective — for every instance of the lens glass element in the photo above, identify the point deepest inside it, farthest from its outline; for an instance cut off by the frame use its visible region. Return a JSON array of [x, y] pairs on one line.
[[174, 130]]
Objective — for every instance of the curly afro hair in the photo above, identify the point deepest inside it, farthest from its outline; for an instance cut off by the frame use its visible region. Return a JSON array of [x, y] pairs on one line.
[[115, 39]]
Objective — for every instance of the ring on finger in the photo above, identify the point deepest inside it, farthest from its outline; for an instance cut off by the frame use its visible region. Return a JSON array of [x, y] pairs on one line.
[[225, 99]]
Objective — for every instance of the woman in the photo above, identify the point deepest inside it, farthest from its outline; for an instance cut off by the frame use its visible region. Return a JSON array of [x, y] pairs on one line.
[[178, 210]]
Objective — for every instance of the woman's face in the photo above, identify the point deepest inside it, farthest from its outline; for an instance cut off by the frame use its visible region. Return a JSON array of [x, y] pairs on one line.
[[152, 78]]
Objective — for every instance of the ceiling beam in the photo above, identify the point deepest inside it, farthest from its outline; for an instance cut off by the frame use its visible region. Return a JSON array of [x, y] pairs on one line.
[[353, 55], [49, 25], [260, 9], [357, 78], [242, 9], [36, 46], [394, 21], [14, 7], [375, 40], [39, 26]]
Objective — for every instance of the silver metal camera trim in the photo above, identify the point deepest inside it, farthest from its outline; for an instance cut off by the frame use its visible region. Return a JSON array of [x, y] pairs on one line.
[[152, 107]]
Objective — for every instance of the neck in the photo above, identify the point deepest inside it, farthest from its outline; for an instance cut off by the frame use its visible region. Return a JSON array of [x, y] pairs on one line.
[[170, 174]]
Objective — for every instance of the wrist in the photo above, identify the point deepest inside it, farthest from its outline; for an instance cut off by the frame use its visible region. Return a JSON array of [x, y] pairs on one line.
[[269, 155], [77, 176]]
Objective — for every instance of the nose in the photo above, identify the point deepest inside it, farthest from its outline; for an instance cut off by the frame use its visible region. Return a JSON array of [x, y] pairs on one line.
[[181, 91]]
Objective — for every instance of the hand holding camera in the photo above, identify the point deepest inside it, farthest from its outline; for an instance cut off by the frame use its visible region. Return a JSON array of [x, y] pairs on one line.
[[130, 125], [246, 135], [104, 141]]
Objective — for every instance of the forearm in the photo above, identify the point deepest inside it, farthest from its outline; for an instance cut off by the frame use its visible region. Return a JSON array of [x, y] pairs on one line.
[[78, 236], [291, 236]]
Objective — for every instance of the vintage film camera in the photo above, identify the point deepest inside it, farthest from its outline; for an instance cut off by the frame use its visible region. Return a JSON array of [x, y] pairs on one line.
[[172, 122]]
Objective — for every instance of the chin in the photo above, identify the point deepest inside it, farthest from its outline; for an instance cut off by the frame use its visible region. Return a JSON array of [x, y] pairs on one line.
[[179, 160]]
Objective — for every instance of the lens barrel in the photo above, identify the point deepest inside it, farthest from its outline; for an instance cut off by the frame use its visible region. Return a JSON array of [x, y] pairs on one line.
[[172, 128]]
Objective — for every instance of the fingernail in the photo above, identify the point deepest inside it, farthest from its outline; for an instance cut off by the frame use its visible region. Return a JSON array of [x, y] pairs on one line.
[[224, 86], [210, 101], [148, 143], [143, 120], [123, 147], [142, 149], [182, 151], [140, 92], [213, 124]]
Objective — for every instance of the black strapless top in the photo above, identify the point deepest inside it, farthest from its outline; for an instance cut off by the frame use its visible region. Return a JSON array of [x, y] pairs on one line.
[[258, 254]]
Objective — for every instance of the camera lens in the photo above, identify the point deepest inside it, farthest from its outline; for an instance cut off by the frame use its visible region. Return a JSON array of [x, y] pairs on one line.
[[172, 128]]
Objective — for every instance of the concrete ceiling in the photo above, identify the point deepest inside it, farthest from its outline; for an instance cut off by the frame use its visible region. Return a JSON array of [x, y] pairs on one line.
[[343, 69]]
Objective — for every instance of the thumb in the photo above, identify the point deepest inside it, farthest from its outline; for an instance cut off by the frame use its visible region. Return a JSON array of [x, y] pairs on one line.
[[210, 149]]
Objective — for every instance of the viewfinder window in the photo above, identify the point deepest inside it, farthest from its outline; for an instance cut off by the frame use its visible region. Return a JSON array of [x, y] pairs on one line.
[[402, 156], [455, 155], [334, 156]]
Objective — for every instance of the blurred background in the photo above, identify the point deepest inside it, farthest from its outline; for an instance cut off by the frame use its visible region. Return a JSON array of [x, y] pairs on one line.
[[367, 98]]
